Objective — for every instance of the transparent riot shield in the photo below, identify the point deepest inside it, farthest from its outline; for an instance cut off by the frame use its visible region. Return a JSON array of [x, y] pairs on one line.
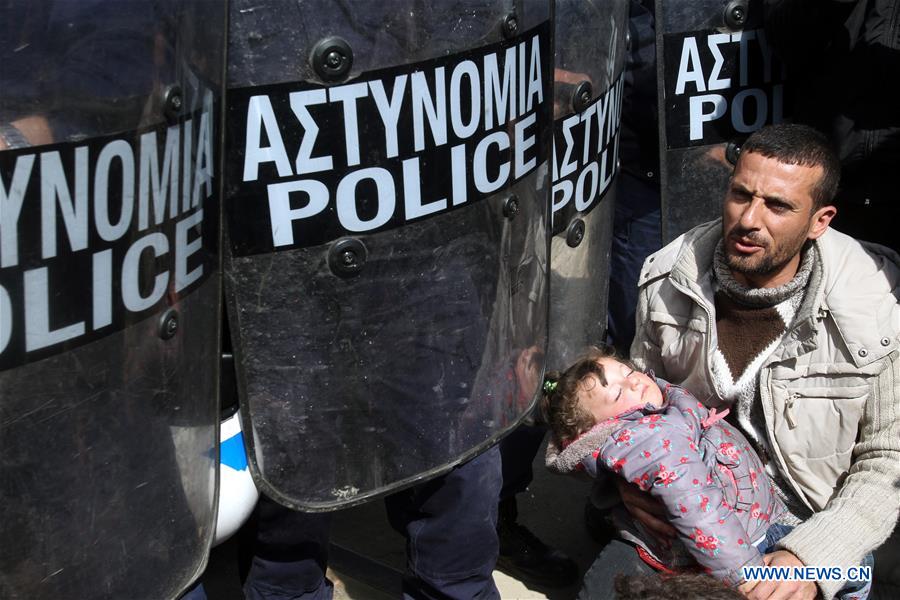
[[109, 295], [588, 82], [386, 230], [719, 83]]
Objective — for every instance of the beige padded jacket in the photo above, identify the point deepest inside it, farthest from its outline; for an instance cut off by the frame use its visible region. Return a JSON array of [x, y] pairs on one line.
[[830, 392]]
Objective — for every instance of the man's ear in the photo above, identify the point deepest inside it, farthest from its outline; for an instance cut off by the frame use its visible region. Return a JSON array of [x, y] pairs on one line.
[[820, 221]]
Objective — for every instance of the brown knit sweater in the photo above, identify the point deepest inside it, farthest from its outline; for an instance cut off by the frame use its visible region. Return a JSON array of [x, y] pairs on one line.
[[750, 324]]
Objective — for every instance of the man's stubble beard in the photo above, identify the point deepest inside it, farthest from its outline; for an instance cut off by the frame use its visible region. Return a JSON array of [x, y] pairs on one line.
[[771, 261]]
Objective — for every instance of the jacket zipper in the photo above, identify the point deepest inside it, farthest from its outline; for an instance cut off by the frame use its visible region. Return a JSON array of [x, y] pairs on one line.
[[764, 381], [789, 409], [709, 332]]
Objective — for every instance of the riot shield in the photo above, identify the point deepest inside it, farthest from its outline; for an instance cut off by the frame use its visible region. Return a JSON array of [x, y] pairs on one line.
[[109, 295], [385, 255], [719, 82], [588, 82]]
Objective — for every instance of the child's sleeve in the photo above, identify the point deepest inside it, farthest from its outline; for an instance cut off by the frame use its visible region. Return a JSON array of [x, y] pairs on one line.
[[660, 454]]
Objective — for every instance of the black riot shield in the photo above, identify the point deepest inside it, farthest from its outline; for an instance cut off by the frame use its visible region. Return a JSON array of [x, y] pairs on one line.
[[386, 234], [588, 82], [719, 82], [109, 295]]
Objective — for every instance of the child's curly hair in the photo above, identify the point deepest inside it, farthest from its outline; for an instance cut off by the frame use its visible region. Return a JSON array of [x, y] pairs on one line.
[[559, 404]]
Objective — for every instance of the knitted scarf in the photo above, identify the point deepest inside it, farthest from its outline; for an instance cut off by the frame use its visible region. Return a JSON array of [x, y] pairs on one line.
[[750, 325]]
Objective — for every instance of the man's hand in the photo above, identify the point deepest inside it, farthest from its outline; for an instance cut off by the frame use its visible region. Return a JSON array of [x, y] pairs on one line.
[[646, 510], [783, 590], [746, 587]]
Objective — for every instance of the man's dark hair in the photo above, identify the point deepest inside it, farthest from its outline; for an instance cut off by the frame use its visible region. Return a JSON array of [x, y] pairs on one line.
[[802, 145], [673, 587]]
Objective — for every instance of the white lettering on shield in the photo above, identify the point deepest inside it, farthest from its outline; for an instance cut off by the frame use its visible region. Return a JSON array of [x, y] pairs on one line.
[[472, 100]]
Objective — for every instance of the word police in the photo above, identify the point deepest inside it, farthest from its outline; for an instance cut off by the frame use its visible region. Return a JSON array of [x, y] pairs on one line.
[[93, 235], [397, 146], [720, 85], [585, 155]]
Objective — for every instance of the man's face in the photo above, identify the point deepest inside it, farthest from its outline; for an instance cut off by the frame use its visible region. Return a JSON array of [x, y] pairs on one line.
[[767, 217]]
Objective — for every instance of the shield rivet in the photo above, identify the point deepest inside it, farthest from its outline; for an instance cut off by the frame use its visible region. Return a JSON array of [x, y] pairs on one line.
[[332, 58], [168, 324], [582, 96], [510, 25], [732, 152], [173, 102], [511, 207], [575, 233], [885, 341], [736, 14], [346, 257], [863, 352]]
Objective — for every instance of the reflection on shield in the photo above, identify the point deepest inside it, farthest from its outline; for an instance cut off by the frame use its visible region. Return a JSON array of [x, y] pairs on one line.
[[721, 82], [109, 296], [385, 247], [588, 83]]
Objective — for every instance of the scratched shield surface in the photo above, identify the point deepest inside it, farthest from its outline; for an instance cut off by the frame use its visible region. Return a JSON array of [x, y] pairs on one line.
[[588, 83], [719, 82], [109, 296], [386, 236]]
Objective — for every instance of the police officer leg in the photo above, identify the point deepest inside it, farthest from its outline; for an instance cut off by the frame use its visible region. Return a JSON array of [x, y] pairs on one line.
[[636, 235], [450, 528], [522, 554], [286, 554]]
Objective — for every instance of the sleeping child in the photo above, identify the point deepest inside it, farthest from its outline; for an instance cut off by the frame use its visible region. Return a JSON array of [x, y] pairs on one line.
[[607, 416]]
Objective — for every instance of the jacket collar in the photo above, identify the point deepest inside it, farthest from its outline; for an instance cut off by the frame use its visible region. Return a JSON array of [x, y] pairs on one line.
[[852, 283]]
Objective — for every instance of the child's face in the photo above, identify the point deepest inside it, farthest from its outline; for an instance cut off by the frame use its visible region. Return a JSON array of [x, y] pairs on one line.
[[625, 390]]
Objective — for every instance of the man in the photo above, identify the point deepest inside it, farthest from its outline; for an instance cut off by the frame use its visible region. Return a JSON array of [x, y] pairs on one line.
[[794, 328]]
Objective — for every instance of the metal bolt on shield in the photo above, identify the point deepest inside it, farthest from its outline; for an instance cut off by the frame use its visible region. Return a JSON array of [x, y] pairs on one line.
[[168, 324], [510, 26], [575, 233], [346, 257], [736, 14], [332, 58], [582, 96], [511, 207], [172, 103]]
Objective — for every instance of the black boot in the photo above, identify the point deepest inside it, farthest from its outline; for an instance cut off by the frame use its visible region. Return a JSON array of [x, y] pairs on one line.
[[525, 557]]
